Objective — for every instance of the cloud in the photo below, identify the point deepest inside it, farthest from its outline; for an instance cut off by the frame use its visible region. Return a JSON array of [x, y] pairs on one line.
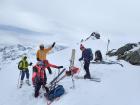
[[63, 17], [6, 38]]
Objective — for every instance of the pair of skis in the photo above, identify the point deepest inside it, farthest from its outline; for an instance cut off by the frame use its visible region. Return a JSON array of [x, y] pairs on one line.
[[107, 62], [91, 79], [57, 79], [53, 84]]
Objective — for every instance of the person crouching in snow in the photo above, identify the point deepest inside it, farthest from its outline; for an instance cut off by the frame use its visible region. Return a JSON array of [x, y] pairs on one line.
[[23, 66], [38, 77]]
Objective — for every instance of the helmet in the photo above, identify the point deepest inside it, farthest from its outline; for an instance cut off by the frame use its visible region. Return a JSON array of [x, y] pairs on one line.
[[42, 46], [24, 57]]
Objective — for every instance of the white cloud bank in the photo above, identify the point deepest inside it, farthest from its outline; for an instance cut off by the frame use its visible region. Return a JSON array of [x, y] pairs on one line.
[[74, 17]]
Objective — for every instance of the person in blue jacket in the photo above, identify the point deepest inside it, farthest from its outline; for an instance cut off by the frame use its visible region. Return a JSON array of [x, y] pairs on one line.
[[87, 57]]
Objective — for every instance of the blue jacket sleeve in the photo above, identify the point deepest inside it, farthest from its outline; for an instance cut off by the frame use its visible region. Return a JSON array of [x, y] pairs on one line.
[[81, 58]]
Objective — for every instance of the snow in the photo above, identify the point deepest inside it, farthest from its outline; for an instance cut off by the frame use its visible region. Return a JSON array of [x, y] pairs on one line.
[[31, 23], [118, 86]]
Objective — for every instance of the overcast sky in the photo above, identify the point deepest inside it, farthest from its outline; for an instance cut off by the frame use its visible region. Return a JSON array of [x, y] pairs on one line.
[[74, 17]]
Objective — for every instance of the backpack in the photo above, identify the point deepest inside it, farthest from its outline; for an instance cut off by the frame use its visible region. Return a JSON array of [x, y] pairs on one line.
[[20, 68], [56, 92], [90, 54]]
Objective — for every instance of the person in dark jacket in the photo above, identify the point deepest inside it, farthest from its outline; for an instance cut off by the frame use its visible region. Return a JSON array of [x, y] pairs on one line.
[[86, 58]]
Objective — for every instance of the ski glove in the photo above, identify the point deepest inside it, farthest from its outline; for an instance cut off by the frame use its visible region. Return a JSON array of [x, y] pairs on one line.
[[30, 64], [49, 69], [68, 73], [53, 44], [59, 67], [38, 59], [80, 59]]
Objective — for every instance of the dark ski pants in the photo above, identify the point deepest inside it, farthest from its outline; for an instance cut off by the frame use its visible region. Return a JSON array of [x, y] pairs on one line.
[[37, 88], [86, 67], [23, 72], [45, 77]]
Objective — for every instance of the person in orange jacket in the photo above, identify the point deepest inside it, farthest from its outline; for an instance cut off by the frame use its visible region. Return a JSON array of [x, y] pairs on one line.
[[42, 53], [38, 76]]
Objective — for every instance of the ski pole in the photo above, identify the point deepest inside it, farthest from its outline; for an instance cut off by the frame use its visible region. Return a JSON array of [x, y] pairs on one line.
[[73, 82], [81, 65], [107, 48], [19, 78], [58, 71], [108, 45]]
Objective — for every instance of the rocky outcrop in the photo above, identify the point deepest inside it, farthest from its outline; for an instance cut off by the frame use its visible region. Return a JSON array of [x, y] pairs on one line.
[[128, 53], [125, 48], [131, 57]]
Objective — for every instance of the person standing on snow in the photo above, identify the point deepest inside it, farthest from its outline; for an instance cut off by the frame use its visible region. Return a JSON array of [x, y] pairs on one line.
[[87, 56], [38, 77], [42, 53], [23, 66]]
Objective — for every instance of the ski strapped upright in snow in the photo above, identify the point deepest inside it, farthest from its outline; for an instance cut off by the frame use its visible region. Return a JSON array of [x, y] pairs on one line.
[[72, 58], [72, 65]]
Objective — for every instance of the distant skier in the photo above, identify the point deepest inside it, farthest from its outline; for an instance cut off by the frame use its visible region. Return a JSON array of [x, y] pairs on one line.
[[23, 66], [42, 53], [87, 56], [38, 76]]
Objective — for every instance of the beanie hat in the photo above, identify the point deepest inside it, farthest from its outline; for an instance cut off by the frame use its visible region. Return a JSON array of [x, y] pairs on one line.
[[41, 45], [81, 46]]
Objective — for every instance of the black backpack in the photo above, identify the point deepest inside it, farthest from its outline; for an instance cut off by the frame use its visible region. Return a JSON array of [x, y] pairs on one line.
[[20, 68]]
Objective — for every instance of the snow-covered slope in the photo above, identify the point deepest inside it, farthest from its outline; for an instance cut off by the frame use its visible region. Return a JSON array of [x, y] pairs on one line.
[[118, 86], [9, 53]]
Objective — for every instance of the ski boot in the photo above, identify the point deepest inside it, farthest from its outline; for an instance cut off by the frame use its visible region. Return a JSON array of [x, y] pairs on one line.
[[21, 83], [87, 76], [27, 82]]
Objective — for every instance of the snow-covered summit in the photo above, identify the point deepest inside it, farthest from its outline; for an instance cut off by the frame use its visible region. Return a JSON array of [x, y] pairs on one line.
[[118, 86]]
